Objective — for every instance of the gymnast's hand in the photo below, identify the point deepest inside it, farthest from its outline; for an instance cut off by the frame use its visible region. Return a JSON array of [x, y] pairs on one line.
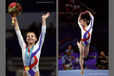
[[45, 16], [89, 13], [16, 26], [15, 20]]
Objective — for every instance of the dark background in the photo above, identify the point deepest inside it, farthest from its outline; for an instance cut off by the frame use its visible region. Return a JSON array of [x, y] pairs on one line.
[[68, 21], [36, 5]]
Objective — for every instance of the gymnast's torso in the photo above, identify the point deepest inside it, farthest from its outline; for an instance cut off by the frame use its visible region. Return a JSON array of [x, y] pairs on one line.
[[35, 54], [86, 32]]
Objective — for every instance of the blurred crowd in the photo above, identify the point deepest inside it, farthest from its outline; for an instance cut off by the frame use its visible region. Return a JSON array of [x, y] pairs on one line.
[[69, 59]]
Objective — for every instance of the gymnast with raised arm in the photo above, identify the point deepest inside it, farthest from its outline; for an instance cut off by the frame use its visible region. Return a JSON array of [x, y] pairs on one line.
[[32, 49], [85, 22]]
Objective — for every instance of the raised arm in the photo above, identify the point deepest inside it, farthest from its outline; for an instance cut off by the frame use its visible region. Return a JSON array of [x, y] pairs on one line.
[[92, 18], [90, 14], [44, 17], [79, 19], [18, 33], [43, 30], [16, 25]]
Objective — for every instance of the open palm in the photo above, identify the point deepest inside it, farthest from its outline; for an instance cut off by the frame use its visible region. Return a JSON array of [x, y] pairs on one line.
[[45, 16]]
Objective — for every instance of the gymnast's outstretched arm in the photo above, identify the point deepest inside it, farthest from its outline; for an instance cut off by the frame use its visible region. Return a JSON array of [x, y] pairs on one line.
[[79, 19], [43, 29], [18, 33], [92, 18]]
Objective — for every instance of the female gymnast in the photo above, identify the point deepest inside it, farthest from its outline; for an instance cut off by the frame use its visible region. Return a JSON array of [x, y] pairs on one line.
[[85, 22], [32, 50]]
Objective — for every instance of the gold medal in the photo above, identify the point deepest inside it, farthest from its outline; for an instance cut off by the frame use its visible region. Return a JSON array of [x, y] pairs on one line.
[[27, 68]]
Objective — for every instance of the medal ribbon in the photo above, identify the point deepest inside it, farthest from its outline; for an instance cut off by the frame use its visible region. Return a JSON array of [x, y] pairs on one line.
[[31, 66], [28, 55], [31, 72]]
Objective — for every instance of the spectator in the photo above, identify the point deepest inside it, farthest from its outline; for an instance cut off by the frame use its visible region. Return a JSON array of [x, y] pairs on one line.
[[67, 59], [69, 48], [102, 61]]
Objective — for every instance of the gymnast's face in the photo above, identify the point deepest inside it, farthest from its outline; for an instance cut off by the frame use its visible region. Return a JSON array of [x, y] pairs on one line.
[[83, 22], [31, 37]]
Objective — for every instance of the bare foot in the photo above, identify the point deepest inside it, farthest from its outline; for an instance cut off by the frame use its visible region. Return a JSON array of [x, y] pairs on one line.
[[82, 71], [78, 44]]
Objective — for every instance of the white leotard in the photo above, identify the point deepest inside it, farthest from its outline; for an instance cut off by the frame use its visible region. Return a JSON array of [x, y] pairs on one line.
[[87, 31], [37, 47]]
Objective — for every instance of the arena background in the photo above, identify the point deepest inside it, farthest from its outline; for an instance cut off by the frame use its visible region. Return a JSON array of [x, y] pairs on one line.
[[30, 20], [70, 33]]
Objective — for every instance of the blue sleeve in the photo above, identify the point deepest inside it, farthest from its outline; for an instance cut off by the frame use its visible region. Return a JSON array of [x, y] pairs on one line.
[[41, 37]]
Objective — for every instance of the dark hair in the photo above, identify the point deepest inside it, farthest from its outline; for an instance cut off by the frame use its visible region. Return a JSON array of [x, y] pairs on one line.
[[85, 16], [30, 32]]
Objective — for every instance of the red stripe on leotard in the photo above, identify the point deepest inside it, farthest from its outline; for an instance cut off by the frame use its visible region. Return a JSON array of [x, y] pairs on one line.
[[88, 35], [32, 65]]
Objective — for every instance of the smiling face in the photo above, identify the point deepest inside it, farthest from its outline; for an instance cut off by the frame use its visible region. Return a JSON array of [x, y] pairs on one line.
[[31, 38]]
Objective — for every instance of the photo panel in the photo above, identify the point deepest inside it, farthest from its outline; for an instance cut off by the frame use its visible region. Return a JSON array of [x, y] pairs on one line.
[[30, 37], [83, 38]]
